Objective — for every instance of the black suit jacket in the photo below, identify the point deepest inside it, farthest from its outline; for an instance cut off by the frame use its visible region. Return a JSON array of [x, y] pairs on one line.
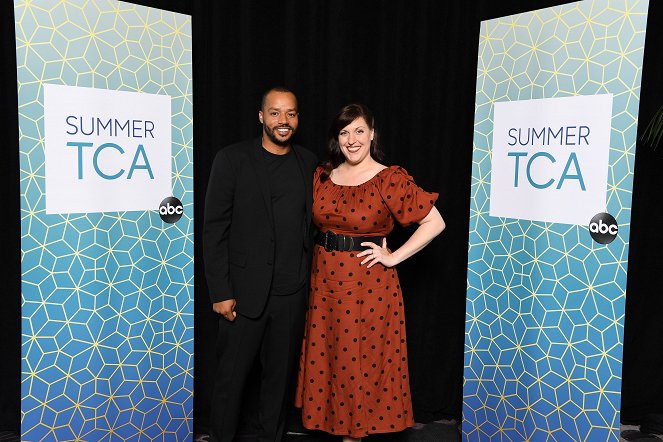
[[238, 233]]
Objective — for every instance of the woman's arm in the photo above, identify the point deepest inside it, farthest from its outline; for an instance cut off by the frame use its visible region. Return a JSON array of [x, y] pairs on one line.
[[429, 227]]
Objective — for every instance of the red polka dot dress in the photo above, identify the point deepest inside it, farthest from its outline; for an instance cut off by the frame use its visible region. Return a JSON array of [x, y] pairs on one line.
[[353, 373]]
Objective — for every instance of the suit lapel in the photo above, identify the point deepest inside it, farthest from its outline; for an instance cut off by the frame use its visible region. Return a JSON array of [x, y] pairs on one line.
[[260, 168]]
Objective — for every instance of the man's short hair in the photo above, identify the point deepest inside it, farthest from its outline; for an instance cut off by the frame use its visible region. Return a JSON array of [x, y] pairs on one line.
[[274, 89]]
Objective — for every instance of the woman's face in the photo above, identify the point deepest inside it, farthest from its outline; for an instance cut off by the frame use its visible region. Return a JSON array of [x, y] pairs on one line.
[[355, 141]]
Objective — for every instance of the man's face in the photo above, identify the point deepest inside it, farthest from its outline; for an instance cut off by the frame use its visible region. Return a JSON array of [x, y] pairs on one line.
[[279, 117]]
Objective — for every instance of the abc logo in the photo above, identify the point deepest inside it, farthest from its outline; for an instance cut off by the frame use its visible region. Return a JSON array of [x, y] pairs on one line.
[[603, 228], [171, 210]]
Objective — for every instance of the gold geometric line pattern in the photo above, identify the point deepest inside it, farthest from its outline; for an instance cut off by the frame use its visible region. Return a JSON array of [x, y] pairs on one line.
[[545, 303], [107, 299]]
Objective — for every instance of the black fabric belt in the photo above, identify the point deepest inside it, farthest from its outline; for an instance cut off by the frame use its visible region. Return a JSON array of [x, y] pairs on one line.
[[344, 243]]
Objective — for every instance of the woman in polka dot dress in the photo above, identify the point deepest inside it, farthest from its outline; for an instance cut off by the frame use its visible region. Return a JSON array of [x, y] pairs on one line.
[[353, 374]]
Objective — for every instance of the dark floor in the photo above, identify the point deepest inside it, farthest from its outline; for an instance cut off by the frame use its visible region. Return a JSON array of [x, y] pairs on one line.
[[446, 431], [632, 433], [433, 432], [8, 436]]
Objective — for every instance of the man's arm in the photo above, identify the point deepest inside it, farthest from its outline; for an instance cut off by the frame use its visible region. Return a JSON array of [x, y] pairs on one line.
[[216, 229]]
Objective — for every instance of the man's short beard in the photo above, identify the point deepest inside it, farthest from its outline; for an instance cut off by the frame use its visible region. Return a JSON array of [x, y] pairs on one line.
[[277, 141]]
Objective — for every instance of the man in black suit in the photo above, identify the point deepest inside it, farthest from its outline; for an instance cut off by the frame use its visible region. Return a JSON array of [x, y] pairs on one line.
[[256, 241]]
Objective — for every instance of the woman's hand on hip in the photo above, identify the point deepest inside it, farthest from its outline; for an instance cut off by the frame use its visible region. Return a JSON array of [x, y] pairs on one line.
[[377, 254]]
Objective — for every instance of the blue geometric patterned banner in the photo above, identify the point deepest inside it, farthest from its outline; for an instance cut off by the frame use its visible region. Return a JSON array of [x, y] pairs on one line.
[[554, 147], [105, 114]]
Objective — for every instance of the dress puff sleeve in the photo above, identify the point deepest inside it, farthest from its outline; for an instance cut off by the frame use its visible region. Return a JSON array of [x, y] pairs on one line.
[[407, 202]]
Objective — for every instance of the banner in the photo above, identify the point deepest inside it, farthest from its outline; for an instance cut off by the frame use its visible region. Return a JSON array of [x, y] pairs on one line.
[[554, 148], [106, 148]]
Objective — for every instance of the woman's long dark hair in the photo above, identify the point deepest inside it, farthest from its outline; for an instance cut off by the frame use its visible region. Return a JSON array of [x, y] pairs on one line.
[[347, 115]]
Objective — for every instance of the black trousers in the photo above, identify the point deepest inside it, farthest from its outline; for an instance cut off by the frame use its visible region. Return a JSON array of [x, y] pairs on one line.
[[275, 337]]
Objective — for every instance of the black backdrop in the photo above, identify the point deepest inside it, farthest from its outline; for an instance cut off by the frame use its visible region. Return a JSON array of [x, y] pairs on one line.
[[414, 64]]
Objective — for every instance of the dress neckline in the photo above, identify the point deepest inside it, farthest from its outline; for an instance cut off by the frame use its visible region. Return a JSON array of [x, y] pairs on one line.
[[360, 184]]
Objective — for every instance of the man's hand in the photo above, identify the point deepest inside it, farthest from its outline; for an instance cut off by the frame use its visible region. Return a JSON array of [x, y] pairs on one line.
[[226, 309]]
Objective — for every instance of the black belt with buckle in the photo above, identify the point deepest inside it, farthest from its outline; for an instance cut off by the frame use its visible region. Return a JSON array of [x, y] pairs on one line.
[[344, 243]]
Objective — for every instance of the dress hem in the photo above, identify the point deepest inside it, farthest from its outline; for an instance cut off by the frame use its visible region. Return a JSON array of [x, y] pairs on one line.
[[359, 433]]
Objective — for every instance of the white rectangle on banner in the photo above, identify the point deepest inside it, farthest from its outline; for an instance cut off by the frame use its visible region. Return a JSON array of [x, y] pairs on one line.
[[550, 158], [106, 150]]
